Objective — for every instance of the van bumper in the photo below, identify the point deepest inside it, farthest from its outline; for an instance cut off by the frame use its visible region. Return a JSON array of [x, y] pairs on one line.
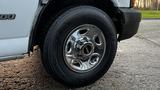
[[130, 23]]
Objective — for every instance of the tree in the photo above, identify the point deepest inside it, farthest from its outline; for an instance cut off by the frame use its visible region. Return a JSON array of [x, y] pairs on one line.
[[148, 4]]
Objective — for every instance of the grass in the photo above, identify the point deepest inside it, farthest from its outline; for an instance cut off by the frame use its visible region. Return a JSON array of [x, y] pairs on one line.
[[150, 14]]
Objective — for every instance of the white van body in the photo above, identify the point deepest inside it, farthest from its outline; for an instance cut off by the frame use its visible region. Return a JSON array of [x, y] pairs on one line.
[[14, 34]]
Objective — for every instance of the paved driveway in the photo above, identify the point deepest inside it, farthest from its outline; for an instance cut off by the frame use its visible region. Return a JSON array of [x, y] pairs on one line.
[[137, 66]]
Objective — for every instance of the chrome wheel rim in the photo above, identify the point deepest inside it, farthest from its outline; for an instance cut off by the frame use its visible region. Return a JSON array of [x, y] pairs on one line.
[[84, 48]]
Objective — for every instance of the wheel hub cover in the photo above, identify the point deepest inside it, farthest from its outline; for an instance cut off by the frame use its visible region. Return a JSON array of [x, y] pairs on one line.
[[84, 48]]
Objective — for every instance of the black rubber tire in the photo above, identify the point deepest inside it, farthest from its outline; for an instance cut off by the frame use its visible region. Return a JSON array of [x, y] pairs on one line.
[[53, 46]]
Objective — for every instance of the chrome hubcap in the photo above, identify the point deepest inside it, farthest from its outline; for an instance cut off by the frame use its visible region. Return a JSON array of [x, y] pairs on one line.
[[84, 48]]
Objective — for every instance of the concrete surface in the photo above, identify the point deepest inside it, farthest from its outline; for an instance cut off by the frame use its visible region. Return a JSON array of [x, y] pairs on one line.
[[136, 67]]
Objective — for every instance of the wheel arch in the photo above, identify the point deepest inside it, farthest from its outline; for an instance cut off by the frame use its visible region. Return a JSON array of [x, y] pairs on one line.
[[54, 7]]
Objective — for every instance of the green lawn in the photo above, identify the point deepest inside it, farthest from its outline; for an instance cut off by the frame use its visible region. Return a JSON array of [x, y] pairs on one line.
[[150, 14]]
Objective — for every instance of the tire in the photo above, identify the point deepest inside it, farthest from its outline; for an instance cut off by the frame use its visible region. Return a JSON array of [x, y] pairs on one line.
[[53, 50]]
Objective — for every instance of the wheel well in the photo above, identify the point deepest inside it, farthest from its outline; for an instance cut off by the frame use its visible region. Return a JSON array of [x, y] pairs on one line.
[[56, 7]]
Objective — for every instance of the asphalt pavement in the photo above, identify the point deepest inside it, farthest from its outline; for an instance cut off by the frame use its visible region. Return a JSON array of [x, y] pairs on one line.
[[136, 67]]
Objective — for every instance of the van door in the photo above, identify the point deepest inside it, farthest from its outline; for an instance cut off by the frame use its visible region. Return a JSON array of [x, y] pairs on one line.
[[16, 19]]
